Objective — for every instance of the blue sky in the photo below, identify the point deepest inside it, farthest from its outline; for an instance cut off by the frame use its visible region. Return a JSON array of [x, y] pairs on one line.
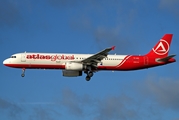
[[76, 26]]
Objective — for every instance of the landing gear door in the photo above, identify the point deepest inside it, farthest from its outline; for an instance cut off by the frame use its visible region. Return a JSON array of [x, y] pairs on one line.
[[23, 57]]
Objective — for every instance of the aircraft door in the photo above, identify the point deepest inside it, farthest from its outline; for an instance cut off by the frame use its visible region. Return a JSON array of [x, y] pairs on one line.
[[23, 57], [145, 60]]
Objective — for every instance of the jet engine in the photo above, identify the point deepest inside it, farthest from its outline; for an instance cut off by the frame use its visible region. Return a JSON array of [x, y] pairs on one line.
[[73, 66], [70, 73]]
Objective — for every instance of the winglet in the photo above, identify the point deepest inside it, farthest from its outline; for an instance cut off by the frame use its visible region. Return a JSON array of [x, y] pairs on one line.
[[113, 47]]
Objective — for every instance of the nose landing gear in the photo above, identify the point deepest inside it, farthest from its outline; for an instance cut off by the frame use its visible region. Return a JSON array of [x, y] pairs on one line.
[[23, 72]]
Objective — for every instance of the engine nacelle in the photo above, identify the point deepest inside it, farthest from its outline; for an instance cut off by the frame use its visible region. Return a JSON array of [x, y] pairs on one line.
[[70, 73], [73, 66]]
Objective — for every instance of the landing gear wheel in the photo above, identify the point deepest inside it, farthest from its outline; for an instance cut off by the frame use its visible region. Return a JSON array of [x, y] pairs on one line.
[[88, 78], [90, 74], [22, 75]]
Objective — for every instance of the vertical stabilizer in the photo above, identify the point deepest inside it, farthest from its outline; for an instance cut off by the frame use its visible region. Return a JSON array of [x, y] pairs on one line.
[[161, 49]]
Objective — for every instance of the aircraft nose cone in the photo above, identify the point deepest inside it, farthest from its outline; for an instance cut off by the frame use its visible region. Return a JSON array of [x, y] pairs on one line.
[[5, 61]]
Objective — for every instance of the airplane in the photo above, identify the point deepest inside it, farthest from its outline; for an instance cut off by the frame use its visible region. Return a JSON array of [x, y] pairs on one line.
[[73, 65]]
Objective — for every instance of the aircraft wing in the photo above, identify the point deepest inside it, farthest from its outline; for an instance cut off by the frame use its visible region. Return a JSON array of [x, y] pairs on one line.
[[96, 58]]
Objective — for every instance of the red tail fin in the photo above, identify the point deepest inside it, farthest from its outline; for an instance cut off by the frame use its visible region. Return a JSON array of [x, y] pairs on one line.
[[161, 49]]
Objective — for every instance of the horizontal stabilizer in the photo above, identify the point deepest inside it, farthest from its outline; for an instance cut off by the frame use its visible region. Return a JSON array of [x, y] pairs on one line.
[[165, 59]]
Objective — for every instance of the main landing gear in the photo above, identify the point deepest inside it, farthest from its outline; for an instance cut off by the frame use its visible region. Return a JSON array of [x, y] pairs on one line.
[[23, 72], [89, 75]]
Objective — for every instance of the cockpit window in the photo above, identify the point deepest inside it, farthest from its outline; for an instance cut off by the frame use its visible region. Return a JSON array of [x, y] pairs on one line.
[[13, 56]]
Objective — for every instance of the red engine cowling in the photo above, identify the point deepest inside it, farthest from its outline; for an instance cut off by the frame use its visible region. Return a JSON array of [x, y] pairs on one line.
[[73, 66]]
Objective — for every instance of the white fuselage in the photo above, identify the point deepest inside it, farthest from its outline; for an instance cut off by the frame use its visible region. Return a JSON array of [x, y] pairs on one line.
[[56, 59]]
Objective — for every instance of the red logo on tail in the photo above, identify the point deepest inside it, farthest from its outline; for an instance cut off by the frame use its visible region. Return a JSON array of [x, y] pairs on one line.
[[161, 48]]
